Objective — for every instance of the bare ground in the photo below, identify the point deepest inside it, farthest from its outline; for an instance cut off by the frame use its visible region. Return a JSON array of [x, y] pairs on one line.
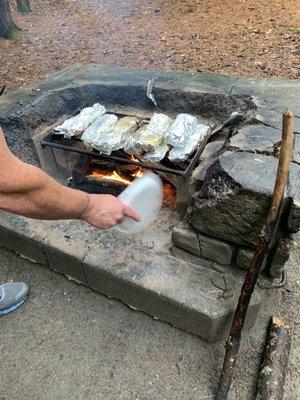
[[249, 38]]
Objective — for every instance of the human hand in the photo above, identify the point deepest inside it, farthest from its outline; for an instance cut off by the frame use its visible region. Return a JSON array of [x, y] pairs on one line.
[[104, 211]]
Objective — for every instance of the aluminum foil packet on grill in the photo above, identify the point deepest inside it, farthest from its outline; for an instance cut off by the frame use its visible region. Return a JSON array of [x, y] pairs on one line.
[[94, 132], [178, 154], [79, 123], [151, 137], [181, 130], [115, 137], [132, 144], [158, 154]]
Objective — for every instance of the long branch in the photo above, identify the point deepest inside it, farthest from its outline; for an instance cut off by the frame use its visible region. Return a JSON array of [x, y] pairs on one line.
[[233, 342]]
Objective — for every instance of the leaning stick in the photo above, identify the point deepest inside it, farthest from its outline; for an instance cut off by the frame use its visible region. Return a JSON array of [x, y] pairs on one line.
[[272, 374], [233, 342]]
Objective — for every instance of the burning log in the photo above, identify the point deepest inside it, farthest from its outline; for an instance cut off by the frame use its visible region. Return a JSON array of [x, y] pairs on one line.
[[233, 342], [272, 373], [98, 186]]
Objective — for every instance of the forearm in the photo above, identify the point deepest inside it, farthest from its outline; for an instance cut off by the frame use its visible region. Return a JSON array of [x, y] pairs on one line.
[[34, 194], [28, 191]]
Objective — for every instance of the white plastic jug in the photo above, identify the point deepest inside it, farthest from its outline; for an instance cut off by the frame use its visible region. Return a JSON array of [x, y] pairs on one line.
[[145, 196]]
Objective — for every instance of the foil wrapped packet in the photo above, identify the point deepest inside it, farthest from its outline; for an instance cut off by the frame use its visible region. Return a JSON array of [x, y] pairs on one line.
[[79, 123], [181, 130], [178, 154], [158, 154], [153, 135], [132, 144], [115, 137], [93, 132]]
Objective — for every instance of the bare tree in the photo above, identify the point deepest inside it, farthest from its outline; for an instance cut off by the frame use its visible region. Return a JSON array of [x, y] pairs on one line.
[[23, 6], [7, 25]]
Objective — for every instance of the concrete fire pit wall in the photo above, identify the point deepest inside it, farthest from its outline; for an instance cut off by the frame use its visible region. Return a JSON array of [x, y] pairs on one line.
[[24, 112], [230, 190], [231, 197]]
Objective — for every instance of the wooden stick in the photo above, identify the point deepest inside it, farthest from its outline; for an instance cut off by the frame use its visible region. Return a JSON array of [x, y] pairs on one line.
[[233, 342], [272, 374]]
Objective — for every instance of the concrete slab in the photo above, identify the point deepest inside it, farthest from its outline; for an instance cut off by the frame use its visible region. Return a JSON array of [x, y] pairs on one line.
[[172, 291], [65, 247], [23, 236], [137, 270]]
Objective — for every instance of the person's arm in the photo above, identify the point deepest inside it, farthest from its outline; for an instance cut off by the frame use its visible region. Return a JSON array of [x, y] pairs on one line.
[[28, 191]]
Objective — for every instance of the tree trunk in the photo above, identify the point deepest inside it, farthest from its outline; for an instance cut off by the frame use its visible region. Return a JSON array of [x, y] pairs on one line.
[[7, 25], [23, 6]]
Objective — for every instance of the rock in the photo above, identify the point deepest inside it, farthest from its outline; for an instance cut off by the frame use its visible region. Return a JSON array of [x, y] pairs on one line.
[[204, 246], [211, 150], [244, 257], [296, 151], [199, 173], [256, 138], [235, 197], [281, 256], [208, 157], [294, 216], [273, 118]]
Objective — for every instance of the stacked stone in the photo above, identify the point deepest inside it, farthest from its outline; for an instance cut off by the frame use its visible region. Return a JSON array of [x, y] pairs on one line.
[[233, 194]]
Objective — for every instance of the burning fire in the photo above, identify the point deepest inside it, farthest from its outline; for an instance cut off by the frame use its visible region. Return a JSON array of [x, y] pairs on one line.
[[169, 190], [115, 176]]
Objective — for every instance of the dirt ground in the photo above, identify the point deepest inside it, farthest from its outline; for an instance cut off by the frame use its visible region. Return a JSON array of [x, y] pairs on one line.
[[249, 38]]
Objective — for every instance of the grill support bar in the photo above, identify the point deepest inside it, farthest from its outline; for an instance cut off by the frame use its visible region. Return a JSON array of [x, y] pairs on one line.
[[47, 143]]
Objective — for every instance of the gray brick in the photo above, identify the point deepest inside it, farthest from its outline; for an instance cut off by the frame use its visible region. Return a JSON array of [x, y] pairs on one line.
[[201, 245], [215, 249], [244, 257], [186, 239]]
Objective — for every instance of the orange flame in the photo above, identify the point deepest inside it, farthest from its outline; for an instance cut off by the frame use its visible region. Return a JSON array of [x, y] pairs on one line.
[[169, 190], [114, 176]]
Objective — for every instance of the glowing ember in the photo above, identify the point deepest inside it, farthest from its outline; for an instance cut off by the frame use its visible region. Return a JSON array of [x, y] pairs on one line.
[[169, 194]]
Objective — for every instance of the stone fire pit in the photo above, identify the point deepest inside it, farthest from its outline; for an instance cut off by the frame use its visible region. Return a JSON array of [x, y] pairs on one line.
[[178, 269]]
